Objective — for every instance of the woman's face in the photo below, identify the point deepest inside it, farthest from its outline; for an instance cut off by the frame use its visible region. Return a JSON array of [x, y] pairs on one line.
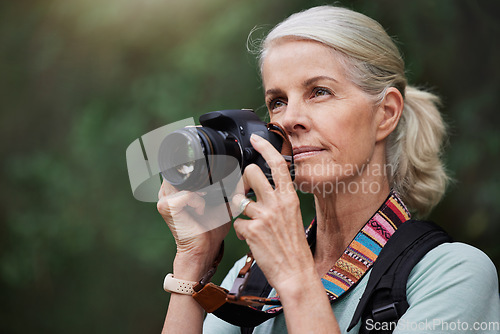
[[331, 122]]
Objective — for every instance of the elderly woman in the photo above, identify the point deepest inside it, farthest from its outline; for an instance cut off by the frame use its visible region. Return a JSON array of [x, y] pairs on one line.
[[368, 147]]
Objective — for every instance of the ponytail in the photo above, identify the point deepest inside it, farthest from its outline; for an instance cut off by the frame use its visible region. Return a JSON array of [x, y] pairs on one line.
[[414, 152]]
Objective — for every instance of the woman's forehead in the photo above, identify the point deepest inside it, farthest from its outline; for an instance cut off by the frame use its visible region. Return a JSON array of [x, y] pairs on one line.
[[304, 59]]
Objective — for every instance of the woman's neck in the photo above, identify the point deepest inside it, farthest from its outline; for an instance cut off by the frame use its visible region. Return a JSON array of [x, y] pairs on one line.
[[339, 218]]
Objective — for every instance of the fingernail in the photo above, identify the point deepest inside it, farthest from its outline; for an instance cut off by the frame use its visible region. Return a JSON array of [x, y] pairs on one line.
[[255, 137]]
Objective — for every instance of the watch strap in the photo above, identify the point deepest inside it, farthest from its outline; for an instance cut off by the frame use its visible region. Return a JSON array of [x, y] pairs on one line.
[[175, 285]]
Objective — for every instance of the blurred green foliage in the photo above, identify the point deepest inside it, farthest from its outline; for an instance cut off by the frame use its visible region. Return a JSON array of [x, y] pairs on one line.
[[80, 80]]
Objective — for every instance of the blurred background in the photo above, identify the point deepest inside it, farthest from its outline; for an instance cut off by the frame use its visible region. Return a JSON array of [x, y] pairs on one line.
[[80, 80]]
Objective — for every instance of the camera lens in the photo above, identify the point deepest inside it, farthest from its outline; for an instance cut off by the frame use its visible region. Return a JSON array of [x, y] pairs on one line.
[[193, 158], [184, 169], [182, 159]]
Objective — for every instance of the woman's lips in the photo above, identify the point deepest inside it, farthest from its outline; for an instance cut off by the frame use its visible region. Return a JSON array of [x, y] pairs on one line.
[[303, 152]]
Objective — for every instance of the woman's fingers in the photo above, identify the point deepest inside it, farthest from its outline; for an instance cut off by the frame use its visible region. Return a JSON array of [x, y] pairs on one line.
[[276, 162], [244, 205], [275, 224], [174, 210], [166, 189], [254, 179], [238, 227]]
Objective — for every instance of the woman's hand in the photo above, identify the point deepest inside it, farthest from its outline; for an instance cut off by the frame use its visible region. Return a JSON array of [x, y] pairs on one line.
[[198, 229], [275, 232], [276, 237]]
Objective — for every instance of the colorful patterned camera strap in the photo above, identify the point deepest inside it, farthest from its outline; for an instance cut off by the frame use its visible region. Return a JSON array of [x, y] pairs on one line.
[[363, 250]]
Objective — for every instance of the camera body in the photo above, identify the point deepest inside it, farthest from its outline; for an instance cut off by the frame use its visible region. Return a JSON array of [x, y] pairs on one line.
[[193, 158]]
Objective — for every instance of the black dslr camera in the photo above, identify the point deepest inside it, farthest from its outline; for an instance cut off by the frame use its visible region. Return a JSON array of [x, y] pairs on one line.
[[193, 158]]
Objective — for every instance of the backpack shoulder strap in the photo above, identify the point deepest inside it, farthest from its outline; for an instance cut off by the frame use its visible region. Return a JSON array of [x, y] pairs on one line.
[[384, 299]]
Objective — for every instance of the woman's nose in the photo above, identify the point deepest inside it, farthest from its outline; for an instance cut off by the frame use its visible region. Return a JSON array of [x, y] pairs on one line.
[[294, 118]]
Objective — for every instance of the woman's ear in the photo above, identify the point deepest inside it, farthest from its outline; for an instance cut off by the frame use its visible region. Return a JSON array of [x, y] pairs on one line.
[[390, 111]]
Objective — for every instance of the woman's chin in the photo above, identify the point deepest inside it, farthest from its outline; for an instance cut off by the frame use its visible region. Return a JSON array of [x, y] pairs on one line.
[[314, 185]]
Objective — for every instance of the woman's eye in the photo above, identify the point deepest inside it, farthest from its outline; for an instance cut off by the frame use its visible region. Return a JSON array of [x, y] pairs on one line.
[[276, 104], [321, 91]]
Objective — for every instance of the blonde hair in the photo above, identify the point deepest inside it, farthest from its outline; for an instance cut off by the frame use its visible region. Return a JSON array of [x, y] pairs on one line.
[[372, 61]]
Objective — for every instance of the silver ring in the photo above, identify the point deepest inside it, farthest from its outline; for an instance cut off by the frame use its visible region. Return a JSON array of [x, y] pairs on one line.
[[244, 203]]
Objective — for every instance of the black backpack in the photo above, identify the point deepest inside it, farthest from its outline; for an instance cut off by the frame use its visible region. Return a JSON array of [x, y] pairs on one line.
[[384, 299]]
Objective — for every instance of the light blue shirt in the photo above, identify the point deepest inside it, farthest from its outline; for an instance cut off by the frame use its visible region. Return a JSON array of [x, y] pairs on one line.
[[453, 289]]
